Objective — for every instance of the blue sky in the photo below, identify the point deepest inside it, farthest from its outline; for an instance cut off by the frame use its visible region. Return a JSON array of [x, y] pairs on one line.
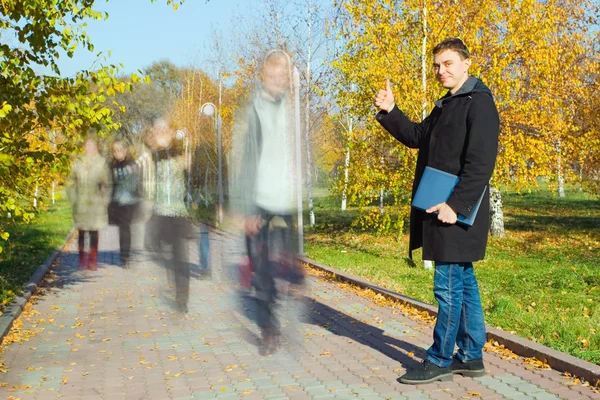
[[139, 32]]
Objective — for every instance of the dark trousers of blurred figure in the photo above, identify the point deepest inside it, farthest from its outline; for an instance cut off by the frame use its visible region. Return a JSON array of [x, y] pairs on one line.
[[169, 237], [92, 260], [273, 256], [123, 216]]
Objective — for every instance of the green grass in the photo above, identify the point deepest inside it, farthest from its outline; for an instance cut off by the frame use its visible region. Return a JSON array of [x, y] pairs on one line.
[[30, 245], [541, 281]]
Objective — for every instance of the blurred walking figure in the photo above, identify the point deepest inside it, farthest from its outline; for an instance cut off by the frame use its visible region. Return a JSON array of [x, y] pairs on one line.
[[169, 233], [124, 196], [263, 190], [88, 190]]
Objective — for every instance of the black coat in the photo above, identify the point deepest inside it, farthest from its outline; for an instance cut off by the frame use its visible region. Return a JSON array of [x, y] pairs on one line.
[[460, 136]]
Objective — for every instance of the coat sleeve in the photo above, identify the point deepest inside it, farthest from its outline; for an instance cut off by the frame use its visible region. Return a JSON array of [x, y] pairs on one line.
[[403, 129], [242, 164], [71, 183], [106, 183], [483, 125]]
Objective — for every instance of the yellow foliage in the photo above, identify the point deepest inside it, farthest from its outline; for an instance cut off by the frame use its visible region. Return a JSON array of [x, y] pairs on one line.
[[542, 73]]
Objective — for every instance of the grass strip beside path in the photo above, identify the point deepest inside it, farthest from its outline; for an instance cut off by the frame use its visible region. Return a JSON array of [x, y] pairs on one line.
[[30, 245]]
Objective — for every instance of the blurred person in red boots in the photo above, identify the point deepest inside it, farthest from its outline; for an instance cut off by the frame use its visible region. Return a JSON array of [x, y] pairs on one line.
[[88, 190]]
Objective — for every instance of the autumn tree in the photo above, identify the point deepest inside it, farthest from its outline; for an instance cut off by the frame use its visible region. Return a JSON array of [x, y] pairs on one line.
[[34, 34], [197, 89], [148, 100], [518, 61]]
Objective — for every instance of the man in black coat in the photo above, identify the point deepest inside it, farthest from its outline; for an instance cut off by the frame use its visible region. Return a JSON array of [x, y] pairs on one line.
[[460, 137]]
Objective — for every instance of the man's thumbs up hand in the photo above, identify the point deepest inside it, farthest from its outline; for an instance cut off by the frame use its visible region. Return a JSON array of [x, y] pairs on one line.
[[384, 100]]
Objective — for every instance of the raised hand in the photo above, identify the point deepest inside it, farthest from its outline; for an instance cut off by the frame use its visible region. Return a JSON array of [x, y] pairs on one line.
[[384, 100]]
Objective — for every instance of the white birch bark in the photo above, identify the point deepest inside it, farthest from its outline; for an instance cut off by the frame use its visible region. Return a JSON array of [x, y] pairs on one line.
[[559, 170], [496, 213], [346, 167], [307, 139], [427, 264]]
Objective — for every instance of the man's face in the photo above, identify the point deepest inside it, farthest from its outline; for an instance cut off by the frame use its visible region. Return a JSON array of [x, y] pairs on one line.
[[119, 152], [450, 69], [275, 77], [90, 147], [160, 136]]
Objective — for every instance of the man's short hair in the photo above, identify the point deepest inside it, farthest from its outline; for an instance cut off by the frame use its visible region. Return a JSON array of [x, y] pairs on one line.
[[453, 44]]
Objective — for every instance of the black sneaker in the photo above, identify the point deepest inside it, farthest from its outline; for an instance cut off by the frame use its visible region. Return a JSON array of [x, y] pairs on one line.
[[472, 368], [427, 372]]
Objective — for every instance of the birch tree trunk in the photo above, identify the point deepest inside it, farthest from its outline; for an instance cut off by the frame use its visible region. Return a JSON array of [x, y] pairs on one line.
[[427, 264], [346, 163], [381, 192], [311, 210], [206, 187], [496, 213], [559, 170]]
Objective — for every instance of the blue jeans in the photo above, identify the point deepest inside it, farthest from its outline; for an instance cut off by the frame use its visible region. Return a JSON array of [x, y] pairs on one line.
[[460, 316]]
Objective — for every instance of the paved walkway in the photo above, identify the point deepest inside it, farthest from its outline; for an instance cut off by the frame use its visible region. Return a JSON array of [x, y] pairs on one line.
[[113, 334]]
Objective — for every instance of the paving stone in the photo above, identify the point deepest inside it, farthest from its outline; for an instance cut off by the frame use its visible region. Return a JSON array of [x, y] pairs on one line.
[[393, 396], [518, 396], [416, 395], [278, 396], [228, 396], [527, 388], [506, 390], [489, 381], [544, 396], [510, 379]]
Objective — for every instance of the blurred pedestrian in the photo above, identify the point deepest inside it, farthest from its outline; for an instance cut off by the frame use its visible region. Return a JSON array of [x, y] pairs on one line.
[[124, 196], [169, 232], [263, 190], [88, 190]]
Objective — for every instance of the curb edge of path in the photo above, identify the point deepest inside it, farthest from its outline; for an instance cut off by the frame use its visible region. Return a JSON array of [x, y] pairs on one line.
[[523, 347], [14, 308]]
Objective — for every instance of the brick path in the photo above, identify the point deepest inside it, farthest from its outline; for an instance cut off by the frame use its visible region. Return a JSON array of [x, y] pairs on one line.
[[113, 334]]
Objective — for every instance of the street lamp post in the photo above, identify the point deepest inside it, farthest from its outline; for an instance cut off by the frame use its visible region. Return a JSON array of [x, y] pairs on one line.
[[210, 110]]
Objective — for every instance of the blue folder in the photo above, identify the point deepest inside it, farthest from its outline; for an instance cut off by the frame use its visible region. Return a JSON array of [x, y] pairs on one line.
[[436, 187]]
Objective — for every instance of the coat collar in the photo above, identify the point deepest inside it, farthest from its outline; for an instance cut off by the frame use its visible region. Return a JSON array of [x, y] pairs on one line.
[[467, 87]]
